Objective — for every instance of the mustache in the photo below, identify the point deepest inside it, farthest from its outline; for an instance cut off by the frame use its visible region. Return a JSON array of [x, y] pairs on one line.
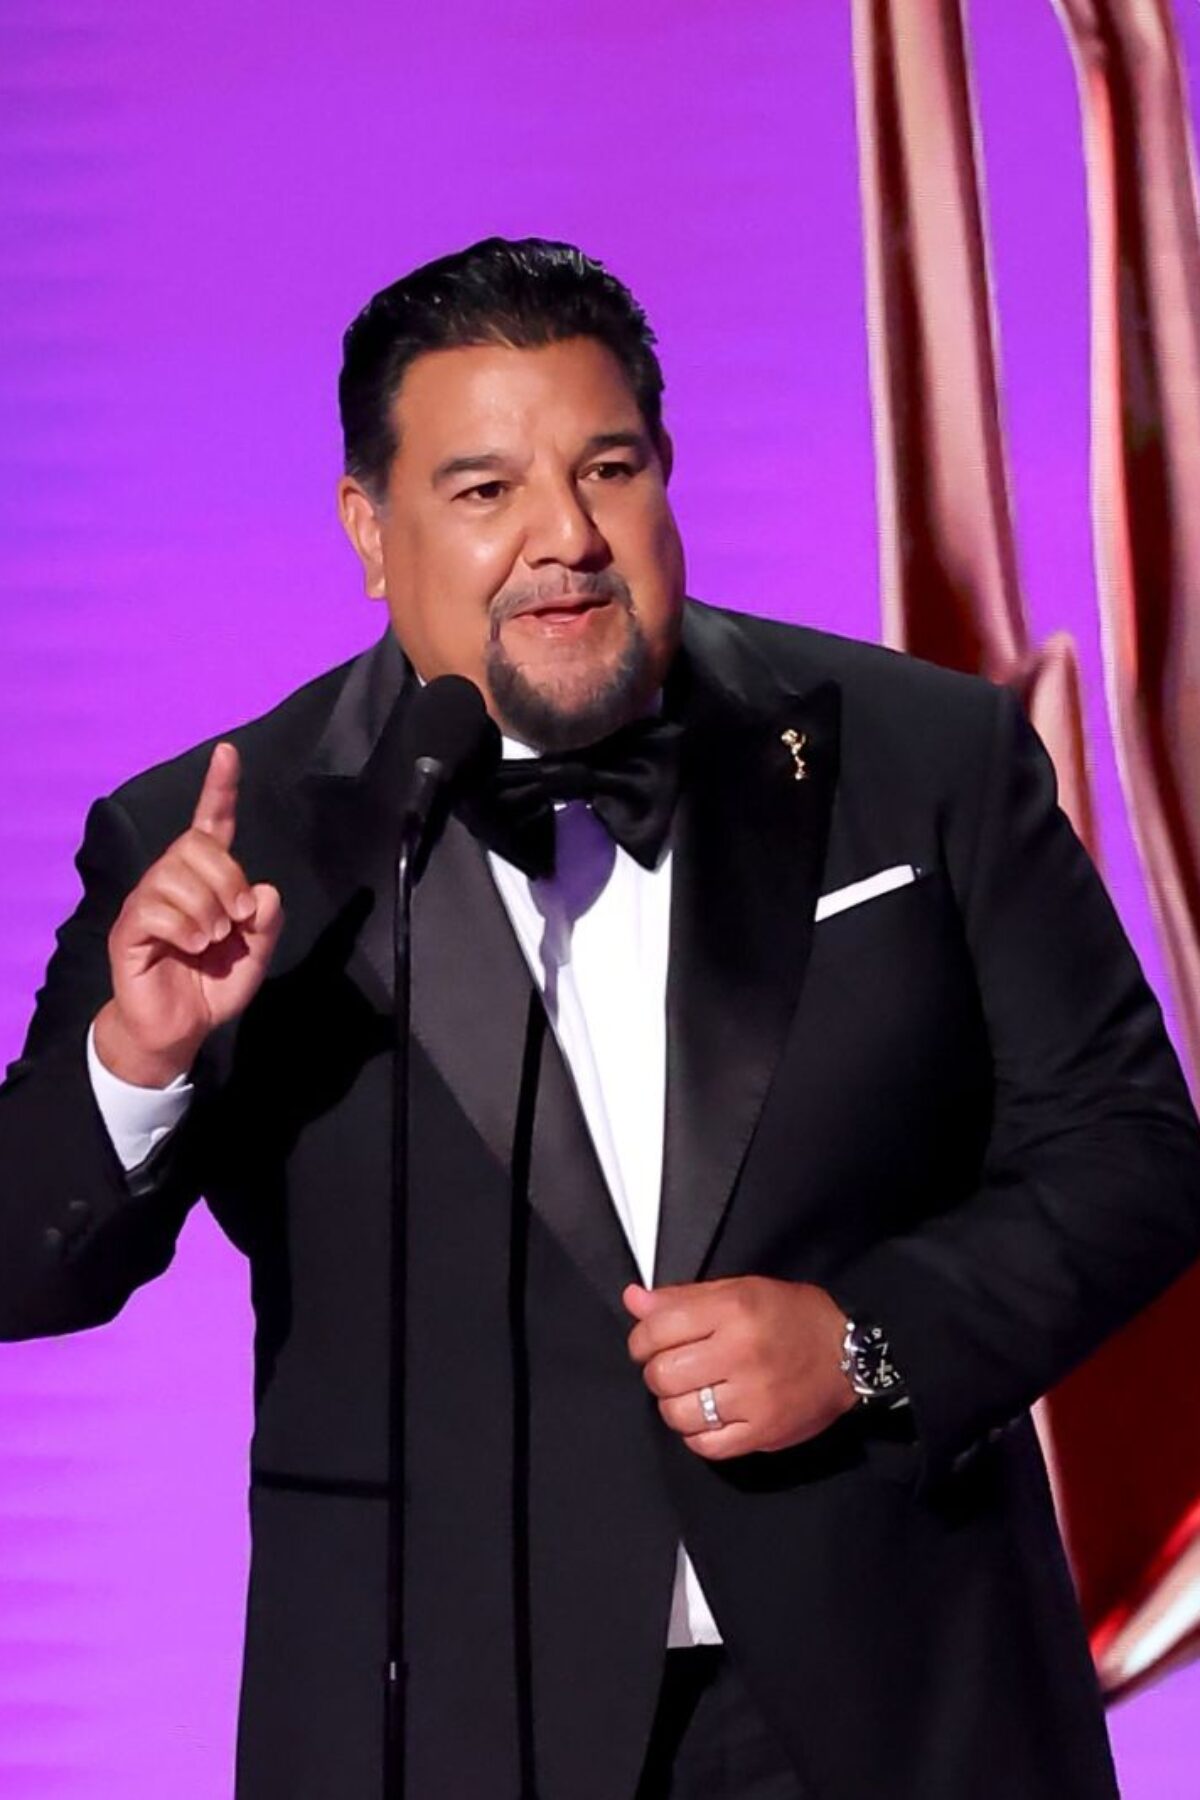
[[604, 585]]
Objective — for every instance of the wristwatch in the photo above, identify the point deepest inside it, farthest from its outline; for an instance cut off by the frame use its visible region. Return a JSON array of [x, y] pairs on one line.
[[867, 1359]]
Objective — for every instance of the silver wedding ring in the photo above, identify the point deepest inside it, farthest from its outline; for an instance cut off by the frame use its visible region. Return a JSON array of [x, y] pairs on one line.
[[708, 1406]]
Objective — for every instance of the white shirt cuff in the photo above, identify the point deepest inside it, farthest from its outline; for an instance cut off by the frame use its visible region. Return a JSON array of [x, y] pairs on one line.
[[136, 1118]]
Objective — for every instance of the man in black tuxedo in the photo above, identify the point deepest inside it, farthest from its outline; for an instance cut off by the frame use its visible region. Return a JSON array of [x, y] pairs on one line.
[[788, 1113]]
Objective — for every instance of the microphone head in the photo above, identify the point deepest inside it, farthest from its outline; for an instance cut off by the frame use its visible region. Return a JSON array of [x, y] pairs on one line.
[[447, 723]]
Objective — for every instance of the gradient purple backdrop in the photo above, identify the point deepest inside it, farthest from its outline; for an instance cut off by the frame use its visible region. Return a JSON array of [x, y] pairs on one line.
[[192, 205]]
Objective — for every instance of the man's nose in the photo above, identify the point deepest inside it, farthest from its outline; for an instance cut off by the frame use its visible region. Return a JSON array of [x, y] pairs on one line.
[[559, 528]]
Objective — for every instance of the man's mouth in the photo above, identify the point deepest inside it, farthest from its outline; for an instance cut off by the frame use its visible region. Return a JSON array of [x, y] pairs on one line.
[[561, 607]]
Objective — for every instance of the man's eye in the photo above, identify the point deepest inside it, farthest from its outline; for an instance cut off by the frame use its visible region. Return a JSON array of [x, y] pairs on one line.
[[483, 490], [608, 470]]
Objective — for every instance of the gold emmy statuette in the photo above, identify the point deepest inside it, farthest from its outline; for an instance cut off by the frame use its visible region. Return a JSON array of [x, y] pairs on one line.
[[795, 741]]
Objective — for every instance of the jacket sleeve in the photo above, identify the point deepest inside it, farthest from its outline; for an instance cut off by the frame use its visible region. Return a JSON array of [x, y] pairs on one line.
[[1088, 1204], [77, 1233]]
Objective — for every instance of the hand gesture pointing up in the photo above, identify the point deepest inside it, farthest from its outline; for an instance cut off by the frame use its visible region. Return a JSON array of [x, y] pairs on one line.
[[191, 944]]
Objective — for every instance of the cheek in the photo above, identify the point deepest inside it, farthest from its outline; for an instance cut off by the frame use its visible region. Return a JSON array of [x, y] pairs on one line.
[[670, 544], [444, 575], [650, 542], [654, 567], [474, 557]]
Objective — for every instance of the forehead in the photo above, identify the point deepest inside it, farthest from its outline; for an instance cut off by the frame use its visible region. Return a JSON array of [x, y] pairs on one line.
[[456, 399]]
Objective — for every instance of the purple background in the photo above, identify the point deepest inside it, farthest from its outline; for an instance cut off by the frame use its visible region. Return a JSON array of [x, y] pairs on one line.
[[193, 202]]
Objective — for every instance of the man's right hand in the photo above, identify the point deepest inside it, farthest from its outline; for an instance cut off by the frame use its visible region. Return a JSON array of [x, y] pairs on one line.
[[191, 944]]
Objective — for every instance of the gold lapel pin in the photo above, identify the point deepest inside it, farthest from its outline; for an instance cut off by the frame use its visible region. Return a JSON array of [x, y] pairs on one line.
[[795, 741]]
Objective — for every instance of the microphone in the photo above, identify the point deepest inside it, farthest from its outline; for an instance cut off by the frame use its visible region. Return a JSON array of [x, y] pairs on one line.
[[448, 741]]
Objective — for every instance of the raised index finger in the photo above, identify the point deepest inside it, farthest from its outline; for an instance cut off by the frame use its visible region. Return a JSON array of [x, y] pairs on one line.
[[216, 809]]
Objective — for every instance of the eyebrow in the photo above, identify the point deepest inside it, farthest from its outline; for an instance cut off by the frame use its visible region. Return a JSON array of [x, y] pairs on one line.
[[462, 465], [495, 459], [616, 440]]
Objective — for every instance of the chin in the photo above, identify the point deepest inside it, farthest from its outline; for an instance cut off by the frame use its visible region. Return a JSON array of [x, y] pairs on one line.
[[566, 708]]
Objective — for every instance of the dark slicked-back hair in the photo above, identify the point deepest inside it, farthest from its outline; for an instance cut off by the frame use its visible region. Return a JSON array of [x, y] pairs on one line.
[[524, 293]]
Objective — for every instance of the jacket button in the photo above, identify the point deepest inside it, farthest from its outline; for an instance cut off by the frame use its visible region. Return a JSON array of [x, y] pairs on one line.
[[79, 1211], [54, 1239]]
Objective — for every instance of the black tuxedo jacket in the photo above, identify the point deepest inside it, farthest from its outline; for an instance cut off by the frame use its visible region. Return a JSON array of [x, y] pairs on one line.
[[953, 1105]]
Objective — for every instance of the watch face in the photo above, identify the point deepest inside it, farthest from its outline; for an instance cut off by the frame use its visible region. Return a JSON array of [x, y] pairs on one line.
[[874, 1370]]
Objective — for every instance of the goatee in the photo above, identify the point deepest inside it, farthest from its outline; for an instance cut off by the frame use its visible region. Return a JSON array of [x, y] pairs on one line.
[[537, 717]]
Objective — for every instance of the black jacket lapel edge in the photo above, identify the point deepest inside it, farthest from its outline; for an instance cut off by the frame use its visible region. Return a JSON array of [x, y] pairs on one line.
[[750, 844]]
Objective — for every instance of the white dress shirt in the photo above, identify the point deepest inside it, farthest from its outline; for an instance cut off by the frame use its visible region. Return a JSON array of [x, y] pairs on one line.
[[136, 1118], [595, 936]]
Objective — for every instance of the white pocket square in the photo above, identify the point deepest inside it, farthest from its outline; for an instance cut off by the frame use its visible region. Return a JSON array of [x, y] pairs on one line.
[[867, 889]]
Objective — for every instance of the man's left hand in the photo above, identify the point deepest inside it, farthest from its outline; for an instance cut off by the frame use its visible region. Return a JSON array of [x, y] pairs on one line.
[[770, 1351]]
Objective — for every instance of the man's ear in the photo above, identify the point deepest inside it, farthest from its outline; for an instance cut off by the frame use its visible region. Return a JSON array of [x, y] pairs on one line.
[[666, 452], [360, 522]]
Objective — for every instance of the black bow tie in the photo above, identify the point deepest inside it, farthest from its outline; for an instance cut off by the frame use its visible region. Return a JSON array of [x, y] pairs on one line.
[[630, 780]]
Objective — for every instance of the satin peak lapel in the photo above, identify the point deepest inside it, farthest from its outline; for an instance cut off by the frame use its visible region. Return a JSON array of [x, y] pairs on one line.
[[479, 1018], [349, 795], [750, 840]]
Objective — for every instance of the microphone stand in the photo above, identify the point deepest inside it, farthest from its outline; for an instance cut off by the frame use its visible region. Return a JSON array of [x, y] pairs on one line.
[[428, 776]]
